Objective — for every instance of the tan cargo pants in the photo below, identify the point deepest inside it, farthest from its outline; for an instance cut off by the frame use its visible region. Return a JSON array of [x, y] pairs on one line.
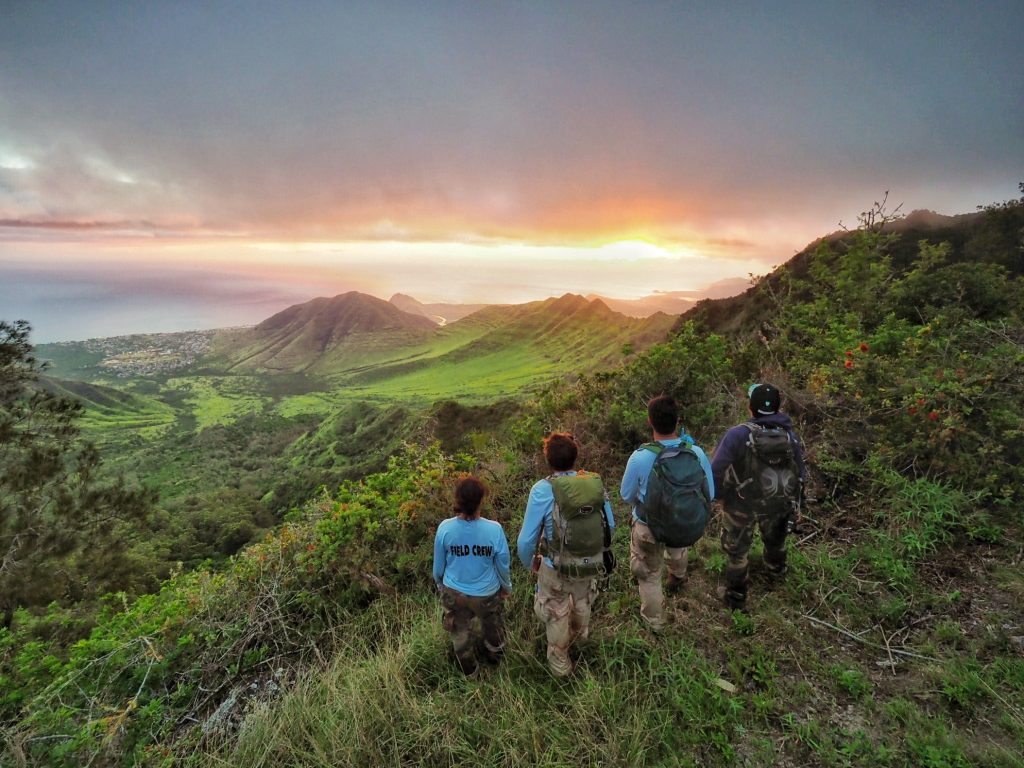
[[563, 604], [645, 560]]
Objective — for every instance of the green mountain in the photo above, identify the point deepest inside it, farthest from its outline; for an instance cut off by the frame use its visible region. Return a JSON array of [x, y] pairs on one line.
[[319, 334], [370, 347], [971, 240]]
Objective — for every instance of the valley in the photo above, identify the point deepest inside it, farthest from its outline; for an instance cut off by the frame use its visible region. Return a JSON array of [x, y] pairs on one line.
[[313, 358], [251, 421]]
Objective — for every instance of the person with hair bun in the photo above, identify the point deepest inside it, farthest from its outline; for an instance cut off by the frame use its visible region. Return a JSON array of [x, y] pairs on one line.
[[471, 571]]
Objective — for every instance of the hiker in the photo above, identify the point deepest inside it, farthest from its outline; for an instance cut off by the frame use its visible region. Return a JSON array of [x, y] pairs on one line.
[[569, 512], [759, 471], [471, 570], [665, 522]]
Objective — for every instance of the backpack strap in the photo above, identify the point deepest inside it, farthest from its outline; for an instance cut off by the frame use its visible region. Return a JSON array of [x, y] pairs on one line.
[[654, 447], [554, 523], [732, 476]]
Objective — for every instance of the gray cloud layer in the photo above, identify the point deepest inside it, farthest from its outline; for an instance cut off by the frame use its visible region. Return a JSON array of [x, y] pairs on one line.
[[472, 119]]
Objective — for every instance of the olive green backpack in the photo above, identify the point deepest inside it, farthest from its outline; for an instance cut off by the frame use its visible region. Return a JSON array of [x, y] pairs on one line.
[[581, 545]]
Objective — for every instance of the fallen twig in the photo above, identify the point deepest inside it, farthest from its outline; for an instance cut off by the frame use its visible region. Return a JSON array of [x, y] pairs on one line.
[[808, 537], [859, 639], [1006, 704]]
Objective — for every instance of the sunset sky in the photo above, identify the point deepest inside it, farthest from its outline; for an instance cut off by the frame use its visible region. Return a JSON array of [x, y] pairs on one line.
[[169, 165]]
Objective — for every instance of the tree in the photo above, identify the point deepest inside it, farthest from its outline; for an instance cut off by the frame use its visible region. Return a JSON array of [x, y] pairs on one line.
[[63, 526]]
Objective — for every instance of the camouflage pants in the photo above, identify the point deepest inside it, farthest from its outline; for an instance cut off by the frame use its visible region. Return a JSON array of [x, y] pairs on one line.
[[646, 557], [459, 612], [737, 536], [563, 604]]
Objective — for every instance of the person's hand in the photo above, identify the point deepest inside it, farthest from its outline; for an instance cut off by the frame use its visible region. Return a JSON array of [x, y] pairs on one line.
[[503, 594]]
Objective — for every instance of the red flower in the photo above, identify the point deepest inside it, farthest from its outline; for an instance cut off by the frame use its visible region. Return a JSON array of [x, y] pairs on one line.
[[933, 415], [849, 353], [912, 410], [863, 347], [849, 363], [920, 401]]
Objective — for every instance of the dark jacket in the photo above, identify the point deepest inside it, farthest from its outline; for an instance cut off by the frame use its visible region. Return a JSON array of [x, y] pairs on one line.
[[733, 446]]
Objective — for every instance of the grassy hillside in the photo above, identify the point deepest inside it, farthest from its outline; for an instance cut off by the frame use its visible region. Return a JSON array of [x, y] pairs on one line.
[[494, 351], [500, 350], [992, 237], [112, 415], [895, 640]]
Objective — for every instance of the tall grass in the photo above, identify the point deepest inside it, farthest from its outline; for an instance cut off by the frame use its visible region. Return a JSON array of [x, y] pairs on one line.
[[399, 701]]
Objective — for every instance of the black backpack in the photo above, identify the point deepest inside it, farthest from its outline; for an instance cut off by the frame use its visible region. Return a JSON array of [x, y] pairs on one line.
[[677, 502], [771, 478]]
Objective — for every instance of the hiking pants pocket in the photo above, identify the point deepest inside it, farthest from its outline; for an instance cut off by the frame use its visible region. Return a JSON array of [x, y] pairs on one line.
[[645, 556]]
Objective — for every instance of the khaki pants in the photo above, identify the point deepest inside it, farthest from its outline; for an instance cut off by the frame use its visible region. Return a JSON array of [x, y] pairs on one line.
[[563, 604], [459, 612], [645, 560]]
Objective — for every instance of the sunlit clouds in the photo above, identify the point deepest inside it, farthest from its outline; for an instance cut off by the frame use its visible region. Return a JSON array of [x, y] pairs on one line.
[[490, 152]]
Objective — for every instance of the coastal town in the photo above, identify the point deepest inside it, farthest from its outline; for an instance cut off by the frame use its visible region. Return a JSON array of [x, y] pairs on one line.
[[142, 354]]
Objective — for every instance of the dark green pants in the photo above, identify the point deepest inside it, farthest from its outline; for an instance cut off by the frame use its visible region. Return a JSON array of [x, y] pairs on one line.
[[459, 612], [737, 536]]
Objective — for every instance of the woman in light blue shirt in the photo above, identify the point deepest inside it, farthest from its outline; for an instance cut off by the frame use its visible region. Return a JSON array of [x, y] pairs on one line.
[[471, 570]]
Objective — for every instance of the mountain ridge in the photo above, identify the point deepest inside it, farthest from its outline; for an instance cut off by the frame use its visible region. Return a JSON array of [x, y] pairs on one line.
[[295, 338], [362, 339]]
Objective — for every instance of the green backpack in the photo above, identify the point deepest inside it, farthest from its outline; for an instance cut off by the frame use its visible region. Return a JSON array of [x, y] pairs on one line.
[[581, 536]]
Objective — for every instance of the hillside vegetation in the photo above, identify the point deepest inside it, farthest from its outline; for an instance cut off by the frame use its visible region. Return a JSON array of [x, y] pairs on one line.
[[354, 340], [897, 638], [235, 427]]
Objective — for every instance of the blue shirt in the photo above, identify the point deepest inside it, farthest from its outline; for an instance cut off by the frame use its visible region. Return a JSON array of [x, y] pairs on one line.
[[539, 513], [471, 556], [634, 480]]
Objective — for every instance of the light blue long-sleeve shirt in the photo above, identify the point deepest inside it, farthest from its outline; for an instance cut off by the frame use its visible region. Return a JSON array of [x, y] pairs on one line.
[[539, 513], [634, 480], [472, 556]]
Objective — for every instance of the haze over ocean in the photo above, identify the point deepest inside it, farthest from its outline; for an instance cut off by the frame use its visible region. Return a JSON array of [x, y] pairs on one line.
[[72, 305]]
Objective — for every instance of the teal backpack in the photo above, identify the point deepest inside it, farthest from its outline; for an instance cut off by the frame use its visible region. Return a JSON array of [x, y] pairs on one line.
[[677, 502]]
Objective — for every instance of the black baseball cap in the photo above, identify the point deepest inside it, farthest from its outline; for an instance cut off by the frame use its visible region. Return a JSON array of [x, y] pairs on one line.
[[764, 399]]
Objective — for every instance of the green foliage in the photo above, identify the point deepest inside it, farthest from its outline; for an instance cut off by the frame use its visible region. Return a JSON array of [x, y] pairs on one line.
[[853, 681], [607, 412], [146, 662], [934, 287], [742, 623], [62, 528], [962, 685]]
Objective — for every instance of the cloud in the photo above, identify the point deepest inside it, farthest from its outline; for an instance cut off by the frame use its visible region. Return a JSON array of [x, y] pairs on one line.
[[742, 132], [80, 226]]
